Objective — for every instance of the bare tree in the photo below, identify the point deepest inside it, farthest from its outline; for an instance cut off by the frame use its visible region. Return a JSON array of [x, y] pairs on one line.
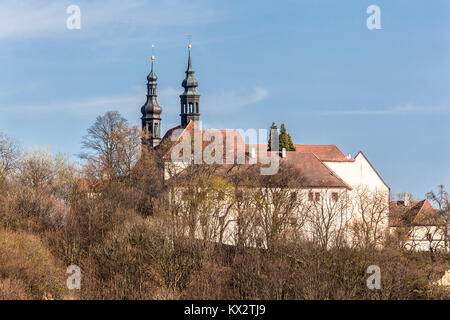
[[112, 146], [9, 154], [370, 213], [278, 204], [441, 200], [327, 217]]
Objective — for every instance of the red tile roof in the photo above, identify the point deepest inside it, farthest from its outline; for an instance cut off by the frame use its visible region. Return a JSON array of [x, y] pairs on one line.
[[316, 173], [307, 158], [190, 128], [323, 152], [418, 213]]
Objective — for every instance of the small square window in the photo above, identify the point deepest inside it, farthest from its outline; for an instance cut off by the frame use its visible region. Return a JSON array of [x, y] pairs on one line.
[[334, 196], [317, 196], [311, 196]]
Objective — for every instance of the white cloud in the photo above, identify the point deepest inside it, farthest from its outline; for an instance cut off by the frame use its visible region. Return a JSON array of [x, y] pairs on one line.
[[168, 98], [402, 110], [32, 18], [95, 105], [231, 100]]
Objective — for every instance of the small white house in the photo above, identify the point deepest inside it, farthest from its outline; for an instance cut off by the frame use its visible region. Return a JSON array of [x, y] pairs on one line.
[[417, 225]]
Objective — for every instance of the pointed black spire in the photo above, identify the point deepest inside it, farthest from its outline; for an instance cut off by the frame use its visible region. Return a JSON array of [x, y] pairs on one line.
[[151, 111], [190, 99], [152, 76], [189, 68]]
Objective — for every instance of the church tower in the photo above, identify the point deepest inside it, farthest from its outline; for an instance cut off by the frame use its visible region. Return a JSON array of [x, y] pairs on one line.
[[190, 99], [151, 112]]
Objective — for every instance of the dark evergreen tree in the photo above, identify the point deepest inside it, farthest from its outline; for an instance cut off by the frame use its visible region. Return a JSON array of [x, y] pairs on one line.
[[291, 146], [285, 139]]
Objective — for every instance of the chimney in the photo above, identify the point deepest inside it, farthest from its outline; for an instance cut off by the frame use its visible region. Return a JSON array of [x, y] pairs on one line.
[[407, 201], [349, 156], [252, 153], [283, 153]]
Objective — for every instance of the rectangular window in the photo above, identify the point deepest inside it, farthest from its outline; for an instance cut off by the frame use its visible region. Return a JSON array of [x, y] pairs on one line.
[[334, 196], [311, 196], [317, 196]]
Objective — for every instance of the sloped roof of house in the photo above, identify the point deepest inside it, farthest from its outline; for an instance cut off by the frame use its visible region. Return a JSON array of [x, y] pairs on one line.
[[317, 173], [309, 159], [176, 135], [418, 213], [323, 152]]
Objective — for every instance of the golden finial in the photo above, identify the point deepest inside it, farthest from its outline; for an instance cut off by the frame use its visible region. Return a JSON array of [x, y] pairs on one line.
[[153, 50], [189, 37]]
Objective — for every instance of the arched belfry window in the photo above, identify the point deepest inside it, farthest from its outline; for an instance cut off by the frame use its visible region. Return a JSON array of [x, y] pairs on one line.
[[190, 107], [156, 133], [196, 107], [150, 130]]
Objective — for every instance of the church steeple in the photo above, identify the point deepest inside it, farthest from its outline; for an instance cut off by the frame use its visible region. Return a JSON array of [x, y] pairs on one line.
[[189, 99], [151, 112]]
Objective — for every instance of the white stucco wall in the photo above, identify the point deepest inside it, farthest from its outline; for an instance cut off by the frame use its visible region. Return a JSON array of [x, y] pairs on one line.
[[358, 173]]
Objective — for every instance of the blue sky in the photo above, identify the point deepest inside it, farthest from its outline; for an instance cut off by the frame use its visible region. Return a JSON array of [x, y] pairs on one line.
[[313, 65]]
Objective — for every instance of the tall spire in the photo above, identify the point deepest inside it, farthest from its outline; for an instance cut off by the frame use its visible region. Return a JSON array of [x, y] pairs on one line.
[[189, 83], [151, 110], [189, 99], [189, 68]]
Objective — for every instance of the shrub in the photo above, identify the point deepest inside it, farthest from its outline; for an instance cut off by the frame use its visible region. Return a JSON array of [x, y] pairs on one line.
[[26, 263]]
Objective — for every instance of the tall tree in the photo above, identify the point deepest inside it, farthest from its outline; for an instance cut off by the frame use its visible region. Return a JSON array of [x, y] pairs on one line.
[[285, 139], [291, 145], [442, 201], [9, 154], [112, 146]]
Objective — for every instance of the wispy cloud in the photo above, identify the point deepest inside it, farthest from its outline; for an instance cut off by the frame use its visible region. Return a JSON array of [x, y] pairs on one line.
[[32, 18], [97, 105], [93, 105], [168, 98], [402, 110], [232, 100]]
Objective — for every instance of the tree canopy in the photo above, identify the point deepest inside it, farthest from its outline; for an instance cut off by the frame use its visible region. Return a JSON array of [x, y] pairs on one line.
[[284, 138]]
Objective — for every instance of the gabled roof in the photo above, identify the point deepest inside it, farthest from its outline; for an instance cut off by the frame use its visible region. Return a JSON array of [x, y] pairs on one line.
[[323, 152], [190, 130], [315, 172], [418, 213], [373, 168]]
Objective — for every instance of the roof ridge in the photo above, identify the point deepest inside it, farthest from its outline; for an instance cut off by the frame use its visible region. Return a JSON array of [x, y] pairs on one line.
[[332, 172]]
